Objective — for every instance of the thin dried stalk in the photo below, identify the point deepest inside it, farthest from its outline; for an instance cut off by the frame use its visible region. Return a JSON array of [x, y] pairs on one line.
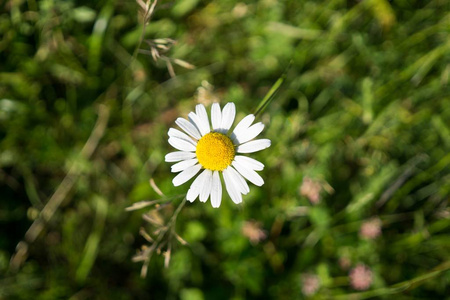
[[63, 189], [156, 188], [164, 237]]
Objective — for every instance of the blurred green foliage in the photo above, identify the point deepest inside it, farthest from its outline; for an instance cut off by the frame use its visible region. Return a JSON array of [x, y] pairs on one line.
[[362, 121]]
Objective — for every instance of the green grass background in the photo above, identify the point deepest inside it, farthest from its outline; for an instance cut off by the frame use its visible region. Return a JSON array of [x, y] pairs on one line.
[[364, 109]]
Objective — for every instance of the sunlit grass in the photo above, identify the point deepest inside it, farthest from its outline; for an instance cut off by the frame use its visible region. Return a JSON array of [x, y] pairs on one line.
[[355, 98]]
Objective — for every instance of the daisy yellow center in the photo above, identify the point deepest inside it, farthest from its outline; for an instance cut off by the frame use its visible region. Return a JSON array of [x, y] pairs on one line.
[[215, 151]]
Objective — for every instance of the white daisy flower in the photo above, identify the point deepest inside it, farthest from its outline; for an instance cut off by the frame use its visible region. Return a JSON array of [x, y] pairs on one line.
[[214, 150]]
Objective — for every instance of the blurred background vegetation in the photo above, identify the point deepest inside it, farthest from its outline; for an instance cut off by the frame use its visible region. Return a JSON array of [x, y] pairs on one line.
[[357, 174]]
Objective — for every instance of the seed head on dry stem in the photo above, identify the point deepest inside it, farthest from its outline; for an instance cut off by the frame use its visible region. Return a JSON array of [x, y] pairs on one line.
[[157, 48]]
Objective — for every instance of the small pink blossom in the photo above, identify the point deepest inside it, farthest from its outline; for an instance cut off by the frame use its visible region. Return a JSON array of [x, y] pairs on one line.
[[311, 190], [360, 277], [252, 230], [310, 284], [370, 229]]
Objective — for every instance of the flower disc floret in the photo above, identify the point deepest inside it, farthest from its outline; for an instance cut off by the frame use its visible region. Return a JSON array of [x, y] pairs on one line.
[[215, 151]]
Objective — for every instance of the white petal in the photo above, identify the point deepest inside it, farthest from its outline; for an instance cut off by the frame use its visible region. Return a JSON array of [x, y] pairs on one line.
[[216, 190], [253, 146], [179, 155], [203, 116], [228, 115], [182, 165], [238, 180], [216, 116], [178, 134], [188, 127], [249, 134], [196, 187], [186, 175], [181, 144], [235, 195], [243, 124], [249, 162], [198, 123], [206, 189], [249, 174]]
